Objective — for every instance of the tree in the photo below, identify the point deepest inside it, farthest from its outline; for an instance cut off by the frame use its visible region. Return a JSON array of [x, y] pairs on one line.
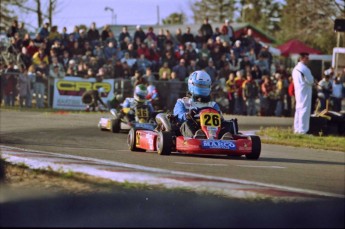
[[311, 21], [215, 10], [7, 14], [264, 14], [8, 6], [174, 19]]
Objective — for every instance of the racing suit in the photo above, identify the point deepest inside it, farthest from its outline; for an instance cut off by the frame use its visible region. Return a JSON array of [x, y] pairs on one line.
[[188, 127], [132, 103]]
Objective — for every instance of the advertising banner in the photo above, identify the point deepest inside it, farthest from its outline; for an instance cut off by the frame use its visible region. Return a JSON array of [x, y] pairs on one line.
[[69, 90]]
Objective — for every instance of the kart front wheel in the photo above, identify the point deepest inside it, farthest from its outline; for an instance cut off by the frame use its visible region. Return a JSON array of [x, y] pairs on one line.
[[115, 125], [131, 141], [164, 143], [256, 148]]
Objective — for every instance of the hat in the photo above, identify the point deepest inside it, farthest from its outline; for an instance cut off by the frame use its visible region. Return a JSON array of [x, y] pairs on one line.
[[138, 26], [226, 20]]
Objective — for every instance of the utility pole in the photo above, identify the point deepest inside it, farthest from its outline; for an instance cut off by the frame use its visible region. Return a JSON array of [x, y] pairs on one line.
[[158, 18]]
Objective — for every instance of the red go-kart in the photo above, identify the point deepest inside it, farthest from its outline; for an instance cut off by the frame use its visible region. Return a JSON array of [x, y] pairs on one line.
[[167, 138]]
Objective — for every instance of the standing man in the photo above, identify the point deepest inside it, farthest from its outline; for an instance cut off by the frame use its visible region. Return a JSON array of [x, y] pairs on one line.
[[303, 82]]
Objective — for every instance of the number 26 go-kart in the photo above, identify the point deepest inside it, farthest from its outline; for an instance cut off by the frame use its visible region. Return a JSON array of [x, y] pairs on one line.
[[167, 138], [127, 118]]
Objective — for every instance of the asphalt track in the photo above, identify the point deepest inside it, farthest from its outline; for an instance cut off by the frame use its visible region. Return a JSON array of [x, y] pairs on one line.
[[77, 134]]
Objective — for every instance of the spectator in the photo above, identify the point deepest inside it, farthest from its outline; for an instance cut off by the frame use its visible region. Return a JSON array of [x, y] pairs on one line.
[[76, 51], [238, 49], [291, 93], [82, 39], [337, 95], [93, 35], [192, 67], [44, 30], [199, 40], [40, 57], [180, 70], [82, 67], [188, 36], [72, 69], [130, 61], [250, 94], [24, 58], [118, 70], [13, 29], [109, 51], [161, 39], [280, 95], [22, 31], [124, 33], [178, 36], [148, 76], [65, 59], [211, 70], [267, 90], [42, 72], [164, 68], [230, 30], [9, 83], [24, 88], [324, 92], [206, 29], [105, 33], [56, 71], [238, 94], [139, 33], [142, 63], [303, 82], [169, 58], [54, 35], [32, 78], [151, 33], [231, 89]]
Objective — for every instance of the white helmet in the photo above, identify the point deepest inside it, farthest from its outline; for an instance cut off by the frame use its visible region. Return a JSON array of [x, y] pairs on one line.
[[140, 92], [199, 84]]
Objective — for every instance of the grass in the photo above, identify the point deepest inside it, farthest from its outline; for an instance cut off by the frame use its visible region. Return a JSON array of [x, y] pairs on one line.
[[283, 136]]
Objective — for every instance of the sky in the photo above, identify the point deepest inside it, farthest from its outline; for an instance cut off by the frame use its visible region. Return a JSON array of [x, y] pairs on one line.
[[125, 12]]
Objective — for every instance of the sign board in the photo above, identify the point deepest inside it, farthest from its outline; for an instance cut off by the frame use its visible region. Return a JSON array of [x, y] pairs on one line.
[[69, 90]]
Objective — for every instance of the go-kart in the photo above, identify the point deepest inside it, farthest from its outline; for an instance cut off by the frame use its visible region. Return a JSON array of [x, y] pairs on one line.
[[167, 138], [127, 118]]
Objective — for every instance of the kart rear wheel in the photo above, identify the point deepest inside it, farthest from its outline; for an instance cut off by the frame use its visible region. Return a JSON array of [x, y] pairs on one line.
[[256, 148], [131, 141], [115, 125], [164, 143]]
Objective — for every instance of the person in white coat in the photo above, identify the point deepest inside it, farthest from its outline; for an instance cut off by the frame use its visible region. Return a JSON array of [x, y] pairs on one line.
[[303, 82]]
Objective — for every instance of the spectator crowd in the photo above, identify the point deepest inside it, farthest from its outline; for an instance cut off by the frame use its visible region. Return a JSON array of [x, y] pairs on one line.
[[240, 67]]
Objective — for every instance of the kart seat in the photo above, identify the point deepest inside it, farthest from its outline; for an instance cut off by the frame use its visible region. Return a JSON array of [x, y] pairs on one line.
[[199, 134], [227, 136]]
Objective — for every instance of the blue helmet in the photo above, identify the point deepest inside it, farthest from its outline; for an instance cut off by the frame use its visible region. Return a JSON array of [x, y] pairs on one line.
[[199, 84]]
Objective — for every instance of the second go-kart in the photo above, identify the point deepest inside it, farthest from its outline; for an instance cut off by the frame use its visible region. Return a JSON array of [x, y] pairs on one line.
[[167, 138], [127, 118]]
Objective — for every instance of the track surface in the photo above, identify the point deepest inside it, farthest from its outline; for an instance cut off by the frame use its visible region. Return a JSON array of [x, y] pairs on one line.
[[77, 134]]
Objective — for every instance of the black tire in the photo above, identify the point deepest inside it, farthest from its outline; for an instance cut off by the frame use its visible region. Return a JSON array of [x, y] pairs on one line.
[[164, 143], [256, 148], [115, 125], [131, 141]]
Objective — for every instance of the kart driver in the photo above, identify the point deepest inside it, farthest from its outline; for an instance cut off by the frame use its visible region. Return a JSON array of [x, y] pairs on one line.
[[198, 96], [139, 98]]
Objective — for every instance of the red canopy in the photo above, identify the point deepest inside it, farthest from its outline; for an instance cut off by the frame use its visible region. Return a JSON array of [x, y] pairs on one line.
[[296, 47]]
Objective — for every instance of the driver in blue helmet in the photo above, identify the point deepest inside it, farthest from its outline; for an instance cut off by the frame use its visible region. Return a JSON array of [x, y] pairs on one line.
[[198, 96]]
